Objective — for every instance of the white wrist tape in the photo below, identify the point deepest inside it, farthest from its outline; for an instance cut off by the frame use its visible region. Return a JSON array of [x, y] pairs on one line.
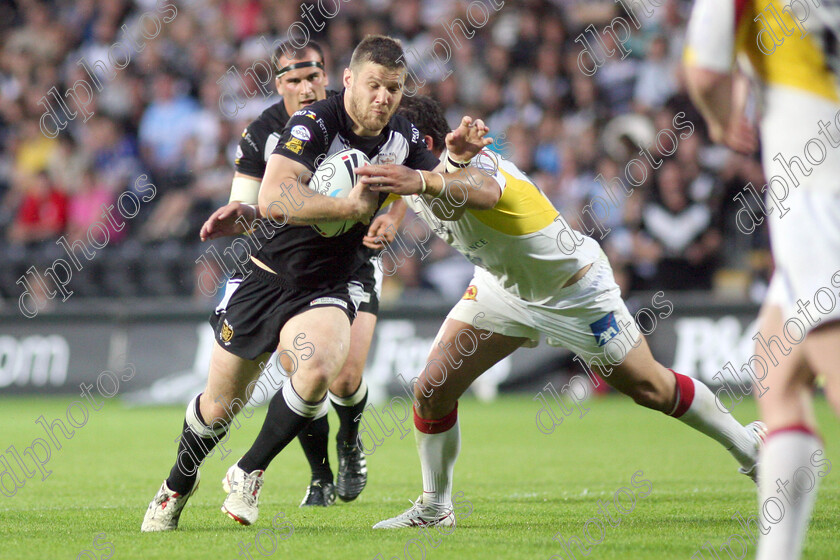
[[245, 190]]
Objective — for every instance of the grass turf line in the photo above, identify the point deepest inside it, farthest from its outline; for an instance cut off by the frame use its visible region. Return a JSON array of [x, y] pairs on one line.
[[523, 486]]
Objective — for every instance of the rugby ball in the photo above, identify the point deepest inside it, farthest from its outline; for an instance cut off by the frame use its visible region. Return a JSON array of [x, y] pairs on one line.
[[334, 177]]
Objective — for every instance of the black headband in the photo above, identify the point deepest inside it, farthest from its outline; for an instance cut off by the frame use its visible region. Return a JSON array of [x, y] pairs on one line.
[[310, 64]]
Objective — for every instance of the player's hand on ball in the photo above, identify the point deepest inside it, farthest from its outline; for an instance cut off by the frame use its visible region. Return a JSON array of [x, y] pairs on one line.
[[390, 178], [364, 203], [223, 222], [468, 139]]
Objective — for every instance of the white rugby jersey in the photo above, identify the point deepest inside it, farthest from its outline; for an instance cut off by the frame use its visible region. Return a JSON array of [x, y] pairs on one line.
[[516, 240]]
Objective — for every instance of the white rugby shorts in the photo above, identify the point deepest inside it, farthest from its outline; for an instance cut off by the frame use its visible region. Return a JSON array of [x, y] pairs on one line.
[[589, 317], [806, 251]]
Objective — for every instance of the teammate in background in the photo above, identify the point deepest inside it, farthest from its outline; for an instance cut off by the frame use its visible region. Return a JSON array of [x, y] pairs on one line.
[[301, 290], [524, 286], [799, 94], [302, 81]]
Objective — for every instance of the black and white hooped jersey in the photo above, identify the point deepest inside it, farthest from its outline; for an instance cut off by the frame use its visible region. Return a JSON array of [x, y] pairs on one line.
[[300, 256]]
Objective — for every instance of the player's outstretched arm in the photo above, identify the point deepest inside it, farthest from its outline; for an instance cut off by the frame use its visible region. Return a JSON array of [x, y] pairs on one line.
[[468, 188], [285, 198]]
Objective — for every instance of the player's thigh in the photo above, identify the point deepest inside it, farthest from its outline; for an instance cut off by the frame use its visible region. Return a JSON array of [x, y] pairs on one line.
[[822, 353], [459, 354], [361, 335], [227, 381], [319, 338], [787, 398]]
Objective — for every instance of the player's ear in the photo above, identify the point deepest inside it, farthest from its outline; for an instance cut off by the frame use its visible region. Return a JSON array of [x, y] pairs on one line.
[[429, 142], [348, 78], [277, 83]]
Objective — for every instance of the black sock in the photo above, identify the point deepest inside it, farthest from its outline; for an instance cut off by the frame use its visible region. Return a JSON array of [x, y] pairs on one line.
[[281, 425], [314, 440], [348, 430], [192, 449]]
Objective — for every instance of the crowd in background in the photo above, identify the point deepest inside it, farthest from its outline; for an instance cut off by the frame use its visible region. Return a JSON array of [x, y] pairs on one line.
[[160, 116]]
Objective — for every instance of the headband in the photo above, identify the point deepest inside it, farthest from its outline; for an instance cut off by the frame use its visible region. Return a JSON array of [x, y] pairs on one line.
[[310, 64]]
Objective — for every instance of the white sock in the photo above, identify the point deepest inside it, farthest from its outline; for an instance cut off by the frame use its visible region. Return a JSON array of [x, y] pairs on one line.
[[696, 407], [438, 444], [788, 478]]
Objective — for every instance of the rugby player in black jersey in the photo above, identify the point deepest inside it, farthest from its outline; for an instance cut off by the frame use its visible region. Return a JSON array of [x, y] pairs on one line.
[[299, 289], [302, 81]]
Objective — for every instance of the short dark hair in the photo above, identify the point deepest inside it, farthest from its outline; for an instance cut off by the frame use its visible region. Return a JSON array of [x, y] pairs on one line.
[[427, 115], [379, 49], [286, 47]]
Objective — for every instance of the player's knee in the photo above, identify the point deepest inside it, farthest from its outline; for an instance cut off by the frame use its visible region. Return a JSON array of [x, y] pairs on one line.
[[318, 372]]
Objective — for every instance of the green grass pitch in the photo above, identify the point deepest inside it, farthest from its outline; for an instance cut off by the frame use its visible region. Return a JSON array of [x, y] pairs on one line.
[[523, 486]]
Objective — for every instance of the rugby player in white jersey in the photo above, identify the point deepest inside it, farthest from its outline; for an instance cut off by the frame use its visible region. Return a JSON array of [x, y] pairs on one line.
[[796, 68], [526, 284]]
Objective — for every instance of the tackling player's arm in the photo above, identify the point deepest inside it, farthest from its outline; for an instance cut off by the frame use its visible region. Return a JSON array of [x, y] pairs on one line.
[[285, 198]]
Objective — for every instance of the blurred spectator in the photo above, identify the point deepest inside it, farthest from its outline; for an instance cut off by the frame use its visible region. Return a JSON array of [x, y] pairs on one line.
[[42, 214], [684, 232], [167, 123], [656, 81]]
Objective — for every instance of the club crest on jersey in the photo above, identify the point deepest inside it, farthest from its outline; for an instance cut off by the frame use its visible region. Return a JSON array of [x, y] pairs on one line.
[[605, 328], [471, 293], [227, 332], [294, 145], [388, 157], [301, 133]]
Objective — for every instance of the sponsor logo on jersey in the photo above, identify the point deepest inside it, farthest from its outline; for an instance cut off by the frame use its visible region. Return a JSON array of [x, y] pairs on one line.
[[328, 301], [304, 113], [471, 293], [248, 138], [301, 133], [294, 145], [239, 154], [227, 332], [605, 328]]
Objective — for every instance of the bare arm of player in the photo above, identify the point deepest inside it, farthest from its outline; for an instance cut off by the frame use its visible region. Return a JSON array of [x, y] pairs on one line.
[[285, 198], [383, 228], [721, 98], [469, 188]]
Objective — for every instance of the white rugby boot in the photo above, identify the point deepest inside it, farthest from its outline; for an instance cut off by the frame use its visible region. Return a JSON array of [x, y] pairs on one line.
[[165, 509], [243, 489], [759, 430], [420, 515]]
